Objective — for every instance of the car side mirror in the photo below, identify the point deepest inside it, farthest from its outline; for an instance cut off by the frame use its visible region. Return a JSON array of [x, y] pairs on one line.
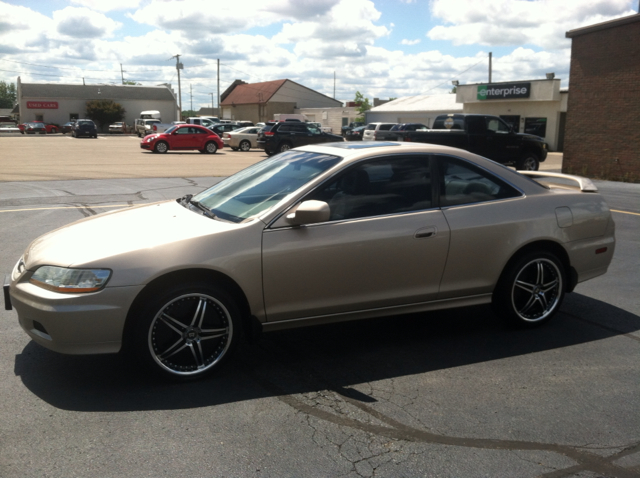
[[309, 212]]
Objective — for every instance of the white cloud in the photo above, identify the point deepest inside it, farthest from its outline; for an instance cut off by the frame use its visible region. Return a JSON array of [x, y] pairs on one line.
[[409, 42], [84, 23], [109, 5], [519, 22]]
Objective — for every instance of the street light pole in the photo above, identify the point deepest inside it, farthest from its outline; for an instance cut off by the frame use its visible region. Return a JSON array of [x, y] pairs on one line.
[[211, 103], [179, 66]]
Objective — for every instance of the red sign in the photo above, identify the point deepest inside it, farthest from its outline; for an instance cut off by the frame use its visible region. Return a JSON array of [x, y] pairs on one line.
[[42, 105]]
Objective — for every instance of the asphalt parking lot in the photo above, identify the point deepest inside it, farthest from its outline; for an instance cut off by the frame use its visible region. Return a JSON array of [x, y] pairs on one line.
[[447, 394]]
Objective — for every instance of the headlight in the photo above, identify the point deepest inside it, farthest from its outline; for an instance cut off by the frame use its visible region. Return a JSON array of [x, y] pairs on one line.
[[73, 281], [150, 138]]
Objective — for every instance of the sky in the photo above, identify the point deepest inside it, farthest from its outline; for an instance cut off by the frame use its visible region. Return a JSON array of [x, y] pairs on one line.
[[380, 48]]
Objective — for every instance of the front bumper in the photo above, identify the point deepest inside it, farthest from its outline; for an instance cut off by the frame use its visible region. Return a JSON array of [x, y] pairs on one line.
[[73, 323]]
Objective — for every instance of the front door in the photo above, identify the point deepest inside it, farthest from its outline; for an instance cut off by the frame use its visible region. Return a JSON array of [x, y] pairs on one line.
[[385, 245]]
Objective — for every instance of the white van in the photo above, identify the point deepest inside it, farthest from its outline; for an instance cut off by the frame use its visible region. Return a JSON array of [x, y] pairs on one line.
[[151, 114]]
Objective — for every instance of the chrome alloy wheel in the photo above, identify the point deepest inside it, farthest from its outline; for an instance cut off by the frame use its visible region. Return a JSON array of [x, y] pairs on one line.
[[190, 334], [537, 290]]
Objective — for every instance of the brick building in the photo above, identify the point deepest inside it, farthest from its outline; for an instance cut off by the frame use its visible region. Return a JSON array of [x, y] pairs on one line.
[[603, 114]]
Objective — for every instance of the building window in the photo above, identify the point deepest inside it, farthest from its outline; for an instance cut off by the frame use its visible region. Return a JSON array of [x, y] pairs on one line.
[[537, 126], [513, 121]]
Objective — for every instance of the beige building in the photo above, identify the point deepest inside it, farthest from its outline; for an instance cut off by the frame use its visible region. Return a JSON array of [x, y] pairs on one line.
[[59, 103], [538, 106], [259, 102]]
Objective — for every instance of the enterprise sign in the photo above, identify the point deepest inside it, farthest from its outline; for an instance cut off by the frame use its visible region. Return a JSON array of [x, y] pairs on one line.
[[504, 91]]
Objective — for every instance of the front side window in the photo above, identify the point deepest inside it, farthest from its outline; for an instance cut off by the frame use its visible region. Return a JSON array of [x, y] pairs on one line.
[[497, 126], [390, 185], [464, 183], [261, 186]]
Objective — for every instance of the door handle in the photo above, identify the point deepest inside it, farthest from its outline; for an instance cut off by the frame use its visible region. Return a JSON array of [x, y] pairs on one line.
[[428, 231]]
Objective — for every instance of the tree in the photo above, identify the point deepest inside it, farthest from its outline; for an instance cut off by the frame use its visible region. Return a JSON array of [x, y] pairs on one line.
[[363, 105], [105, 111], [127, 82], [189, 113], [8, 95]]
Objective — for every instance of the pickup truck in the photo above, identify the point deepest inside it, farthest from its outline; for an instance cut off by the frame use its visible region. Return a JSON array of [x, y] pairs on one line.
[[488, 136], [392, 134], [144, 126], [162, 127]]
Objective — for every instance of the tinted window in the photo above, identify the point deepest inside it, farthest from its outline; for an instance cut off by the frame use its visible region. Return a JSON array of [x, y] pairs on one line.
[[391, 185], [264, 184], [385, 127], [464, 183]]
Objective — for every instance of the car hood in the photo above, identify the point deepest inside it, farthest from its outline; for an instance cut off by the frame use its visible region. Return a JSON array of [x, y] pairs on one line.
[[125, 233]]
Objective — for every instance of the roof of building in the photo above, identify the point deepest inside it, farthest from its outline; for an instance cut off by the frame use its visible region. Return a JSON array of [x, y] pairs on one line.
[[445, 102], [120, 92], [252, 93], [603, 26], [260, 93]]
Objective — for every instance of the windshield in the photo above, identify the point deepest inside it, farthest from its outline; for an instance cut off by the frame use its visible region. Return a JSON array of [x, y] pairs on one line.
[[261, 186], [171, 130]]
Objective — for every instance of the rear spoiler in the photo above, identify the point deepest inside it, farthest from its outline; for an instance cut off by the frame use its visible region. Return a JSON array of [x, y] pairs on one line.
[[584, 184]]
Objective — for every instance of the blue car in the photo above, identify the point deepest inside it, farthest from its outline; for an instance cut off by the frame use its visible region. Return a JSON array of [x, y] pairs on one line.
[[84, 127]]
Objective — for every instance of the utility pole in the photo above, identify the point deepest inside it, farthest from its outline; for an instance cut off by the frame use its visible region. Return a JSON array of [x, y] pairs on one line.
[[122, 73], [490, 56], [334, 85], [219, 110], [191, 95], [179, 66], [211, 103]]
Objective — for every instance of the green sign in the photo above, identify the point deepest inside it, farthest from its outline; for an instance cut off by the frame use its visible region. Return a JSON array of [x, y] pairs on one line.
[[504, 91]]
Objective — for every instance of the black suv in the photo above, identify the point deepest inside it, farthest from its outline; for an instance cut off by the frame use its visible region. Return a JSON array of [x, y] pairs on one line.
[[282, 136], [84, 127]]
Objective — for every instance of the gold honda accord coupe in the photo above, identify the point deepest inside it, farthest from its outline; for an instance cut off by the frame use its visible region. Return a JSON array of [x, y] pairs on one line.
[[317, 234]]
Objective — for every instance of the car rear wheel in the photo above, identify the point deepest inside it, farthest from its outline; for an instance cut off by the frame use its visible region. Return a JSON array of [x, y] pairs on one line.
[[54, 130], [284, 147], [531, 289], [528, 162], [245, 145], [211, 147], [187, 331], [161, 147]]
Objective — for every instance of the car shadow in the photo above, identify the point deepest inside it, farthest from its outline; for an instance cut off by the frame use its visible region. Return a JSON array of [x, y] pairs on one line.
[[336, 357]]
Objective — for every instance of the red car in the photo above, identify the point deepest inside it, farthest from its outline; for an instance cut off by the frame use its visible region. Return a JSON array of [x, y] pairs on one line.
[[49, 128], [181, 137]]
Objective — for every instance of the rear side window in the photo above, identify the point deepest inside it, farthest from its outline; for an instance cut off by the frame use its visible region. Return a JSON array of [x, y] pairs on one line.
[[386, 127], [464, 183]]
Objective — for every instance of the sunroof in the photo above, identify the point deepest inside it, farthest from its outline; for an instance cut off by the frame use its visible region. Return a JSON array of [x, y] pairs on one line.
[[361, 145]]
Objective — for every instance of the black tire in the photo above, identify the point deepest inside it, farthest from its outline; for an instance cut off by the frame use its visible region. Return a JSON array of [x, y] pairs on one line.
[[531, 289], [284, 146], [269, 153], [186, 331], [161, 147], [528, 162], [245, 145], [211, 147], [139, 135], [54, 130]]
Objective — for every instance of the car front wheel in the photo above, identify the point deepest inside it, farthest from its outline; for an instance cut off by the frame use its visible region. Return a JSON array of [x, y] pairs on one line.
[[187, 331], [531, 289], [161, 147], [245, 145]]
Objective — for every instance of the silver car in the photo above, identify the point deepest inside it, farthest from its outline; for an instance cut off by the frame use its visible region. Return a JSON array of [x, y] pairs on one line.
[[314, 235]]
